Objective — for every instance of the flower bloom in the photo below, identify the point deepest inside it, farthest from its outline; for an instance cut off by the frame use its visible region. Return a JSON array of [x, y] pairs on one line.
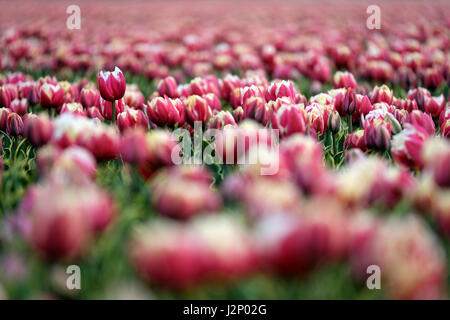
[[111, 85]]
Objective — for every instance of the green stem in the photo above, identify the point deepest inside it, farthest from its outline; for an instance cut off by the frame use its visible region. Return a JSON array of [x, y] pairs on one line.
[[333, 142], [113, 118], [350, 124]]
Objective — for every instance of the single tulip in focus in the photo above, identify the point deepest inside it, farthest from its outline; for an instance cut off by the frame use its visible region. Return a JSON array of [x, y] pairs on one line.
[[111, 85]]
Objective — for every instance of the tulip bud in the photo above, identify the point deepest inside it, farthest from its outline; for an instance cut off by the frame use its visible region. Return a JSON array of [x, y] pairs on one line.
[[168, 87], [131, 118], [38, 130], [14, 125], [111, 85], [315, 117], [334, 122]]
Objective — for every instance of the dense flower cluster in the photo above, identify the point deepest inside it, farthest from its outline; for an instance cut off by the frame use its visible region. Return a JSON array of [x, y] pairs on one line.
[[362, 152]]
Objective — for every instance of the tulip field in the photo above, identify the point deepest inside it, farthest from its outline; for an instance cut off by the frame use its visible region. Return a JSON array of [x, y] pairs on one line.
[[224, 150]]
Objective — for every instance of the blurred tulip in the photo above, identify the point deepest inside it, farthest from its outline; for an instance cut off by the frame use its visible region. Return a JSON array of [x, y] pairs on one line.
[[19, 106], [51, 96], [38, 130], [407, 146], [168, 87], [14, 125], [131, 118], [197, 109]]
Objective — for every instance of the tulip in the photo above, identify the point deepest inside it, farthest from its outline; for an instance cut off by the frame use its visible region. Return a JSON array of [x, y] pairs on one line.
[[287, 245], [407, 146], [51, 96], [168, 87], [169, 244], [133, 97], [133, 146], [38, 130], [89, 97], [255, 108], [289, 119], [94, 113], [59, 230], [197, 109], [377, 136], [349, 107], [355, 140], [112, 86], [382, 94], [166, 112], [213, 101], [5, 97], [424, 280], [436, 155], [105, 108], [238, 114], [316, 117], [421, 119], [445, 129], [344, 80], [172, 200], [234, 242], [434, 105], [444, 116], [74, 108], [160, 145], [75, 163], [221, 119], [14, 125], [304, 159], [4, 113], [353, 154], [280, 89], [19, 106], [131, 118]]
